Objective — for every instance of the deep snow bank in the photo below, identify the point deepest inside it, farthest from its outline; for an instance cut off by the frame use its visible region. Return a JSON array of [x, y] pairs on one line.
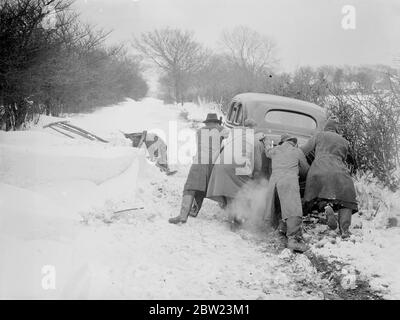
[[30, 215], [41, 224], [32, 157]]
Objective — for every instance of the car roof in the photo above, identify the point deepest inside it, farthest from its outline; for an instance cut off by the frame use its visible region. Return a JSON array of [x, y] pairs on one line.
[[256, 104], [278, 100]]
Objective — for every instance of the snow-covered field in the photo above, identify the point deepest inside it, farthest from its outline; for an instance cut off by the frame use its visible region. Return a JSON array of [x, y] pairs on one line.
[[60, 237]]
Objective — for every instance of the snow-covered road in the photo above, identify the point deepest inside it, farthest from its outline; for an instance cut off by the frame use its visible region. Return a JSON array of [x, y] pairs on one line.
[[60, 239], [143, 256]]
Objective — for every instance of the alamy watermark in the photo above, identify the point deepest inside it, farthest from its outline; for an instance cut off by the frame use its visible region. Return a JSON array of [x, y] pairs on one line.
[[349, 19], [204, 146]]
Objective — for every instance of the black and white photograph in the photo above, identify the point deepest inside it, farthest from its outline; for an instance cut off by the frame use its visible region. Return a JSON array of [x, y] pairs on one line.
[[212, 151]]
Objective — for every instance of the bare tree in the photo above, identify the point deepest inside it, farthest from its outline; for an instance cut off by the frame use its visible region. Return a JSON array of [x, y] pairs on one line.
[[252, 52], [51, 62], [175, 52]]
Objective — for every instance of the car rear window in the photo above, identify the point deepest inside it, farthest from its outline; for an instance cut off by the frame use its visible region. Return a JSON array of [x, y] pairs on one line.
[[292, 119]]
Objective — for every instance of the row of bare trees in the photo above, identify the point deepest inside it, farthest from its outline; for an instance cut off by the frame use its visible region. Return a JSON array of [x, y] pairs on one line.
[[52, 63], [190, 70], [176, 53]]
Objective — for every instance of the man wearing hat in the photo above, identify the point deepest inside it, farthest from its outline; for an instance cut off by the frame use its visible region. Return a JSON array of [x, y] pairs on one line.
[[239, 163], [209, 139], [288, 161]]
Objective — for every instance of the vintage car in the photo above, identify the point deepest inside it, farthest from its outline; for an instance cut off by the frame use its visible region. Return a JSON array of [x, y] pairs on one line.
[[276, 115]]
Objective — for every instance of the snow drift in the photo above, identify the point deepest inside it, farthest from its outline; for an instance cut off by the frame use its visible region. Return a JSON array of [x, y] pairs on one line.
[[31, 158]]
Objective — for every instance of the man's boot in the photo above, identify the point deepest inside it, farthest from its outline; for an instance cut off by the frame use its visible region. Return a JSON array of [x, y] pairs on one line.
[[197, 203], [187, 201], [168, 171], [163, 167], [281, 234], [195, 209], [345, 222], [282, 228], [294, 235], [330, 217]]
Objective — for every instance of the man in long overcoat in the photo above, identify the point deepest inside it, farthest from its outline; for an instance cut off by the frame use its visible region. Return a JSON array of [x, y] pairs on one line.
[[328, 180], [209, 139], [288, 161], [238, 163]]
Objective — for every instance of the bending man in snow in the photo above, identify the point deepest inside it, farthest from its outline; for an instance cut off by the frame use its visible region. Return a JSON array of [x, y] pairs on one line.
[[329, 182], [288, 162], [209, 140], [156, 147]]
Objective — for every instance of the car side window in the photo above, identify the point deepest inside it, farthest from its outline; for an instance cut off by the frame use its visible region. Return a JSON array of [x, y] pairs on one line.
[[232, 112], [291, 118], [239, 114]]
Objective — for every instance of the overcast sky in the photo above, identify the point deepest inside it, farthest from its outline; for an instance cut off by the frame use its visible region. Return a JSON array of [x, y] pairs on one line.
[[307, 32]]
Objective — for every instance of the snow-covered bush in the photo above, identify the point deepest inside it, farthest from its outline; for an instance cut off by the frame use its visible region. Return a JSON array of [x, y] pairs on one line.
[[370, 122], [377, 203]]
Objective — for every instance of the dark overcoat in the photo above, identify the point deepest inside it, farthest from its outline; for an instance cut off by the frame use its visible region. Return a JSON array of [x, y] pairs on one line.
[[329, 178], [229, 176], [200, 170]]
